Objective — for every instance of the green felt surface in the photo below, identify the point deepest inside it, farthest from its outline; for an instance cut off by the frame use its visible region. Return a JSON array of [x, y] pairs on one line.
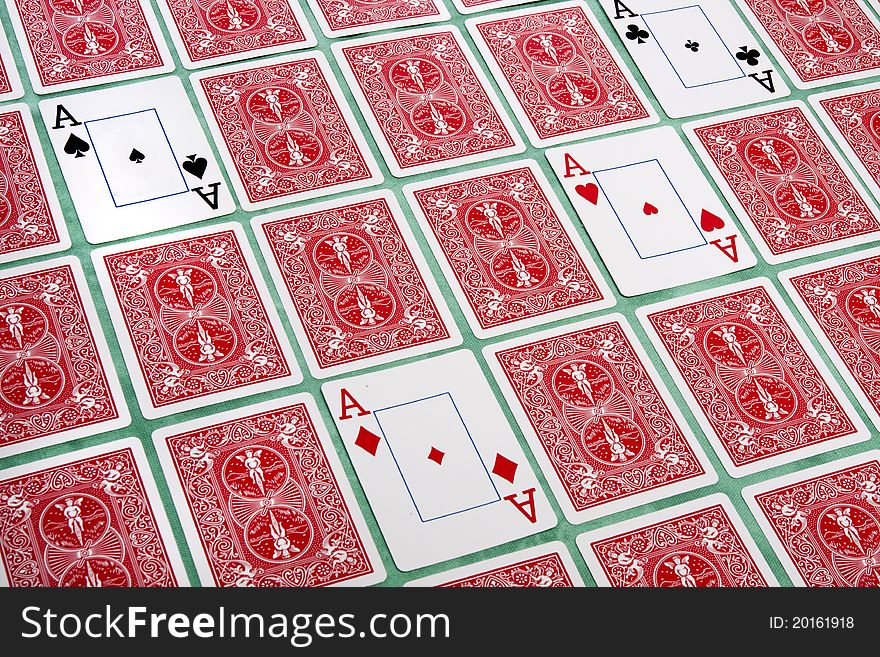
[[565, 532]]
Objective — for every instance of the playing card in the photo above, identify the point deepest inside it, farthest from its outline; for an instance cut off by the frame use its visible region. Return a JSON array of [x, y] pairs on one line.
[[597, 418], [90, 518], [840, 300], [702, 543], [650, 212], [566, 78], [543, 566], [135, 159], [795, 194], [757, 386], [472, 6], [852, 117], [509, 253], [284, 131], [697, 57], [192, 314], [359, 292], [57, 381], [31, 223], [824, 522], [440, 467], [426, 100], [264, 501], [69, 44], [818, 42], [346, 17], [208, 32], [10, 83]]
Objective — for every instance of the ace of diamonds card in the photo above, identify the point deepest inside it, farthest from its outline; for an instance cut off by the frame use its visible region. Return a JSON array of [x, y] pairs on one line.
[[698, 57], [824, 522], [92, 518], [426, 100], [796, 194], [284, 131], [649, 210], [441, 468], [760, 390], [135, 159], [191, 311], [567, 80], [69, 44], [264, 501]]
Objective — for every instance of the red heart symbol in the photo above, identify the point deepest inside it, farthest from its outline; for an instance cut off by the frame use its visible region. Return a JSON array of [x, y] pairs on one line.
[[650, 209], [589, 191], [710, 221]]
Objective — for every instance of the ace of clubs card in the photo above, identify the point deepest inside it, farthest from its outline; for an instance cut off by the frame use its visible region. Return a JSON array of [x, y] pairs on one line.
[[648, 209], [135, 159], [697, 57], [440, 466]]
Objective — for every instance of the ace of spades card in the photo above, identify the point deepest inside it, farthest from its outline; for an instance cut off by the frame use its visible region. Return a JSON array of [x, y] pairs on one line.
[[698, 57], [135, 159], [440, 466], [648, 209]]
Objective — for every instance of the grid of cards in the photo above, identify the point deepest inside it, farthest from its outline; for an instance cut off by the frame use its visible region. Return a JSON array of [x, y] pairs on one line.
[[428, 293]]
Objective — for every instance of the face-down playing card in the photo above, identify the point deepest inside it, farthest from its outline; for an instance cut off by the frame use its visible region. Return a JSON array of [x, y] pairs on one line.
[[649, 211], [697, 57], [263, 500], [135, 159], [439, 464]]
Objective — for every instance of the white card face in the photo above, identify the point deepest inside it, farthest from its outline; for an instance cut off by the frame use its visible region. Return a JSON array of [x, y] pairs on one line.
[[649, 211], [440, 466], [697, 57], [543, 566], [135, 159], [13, 89]]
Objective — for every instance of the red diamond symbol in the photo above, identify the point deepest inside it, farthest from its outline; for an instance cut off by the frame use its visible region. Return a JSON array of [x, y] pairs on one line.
[[436, 455], [504, 468], [367, 441]]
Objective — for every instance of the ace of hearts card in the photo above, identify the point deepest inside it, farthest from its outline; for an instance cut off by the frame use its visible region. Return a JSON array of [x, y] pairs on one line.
[[818, 42], [90, 518], [57, 380], [647, 207], [564, 78], [69, 44], [208, 32], [440, 466], [507, 249], [699, 544], [194, 318], [359, 291], [795, 193], [840, 301], [263, 499], [135, 159], [598, 418], [698, 57], [824, 522], [426, 100], [758, 387], [542, 566], [284, 131]]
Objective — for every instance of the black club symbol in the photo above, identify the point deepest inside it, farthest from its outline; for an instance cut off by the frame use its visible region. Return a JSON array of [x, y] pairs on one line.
[[693, 46], [637, 34], [748, 55]]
